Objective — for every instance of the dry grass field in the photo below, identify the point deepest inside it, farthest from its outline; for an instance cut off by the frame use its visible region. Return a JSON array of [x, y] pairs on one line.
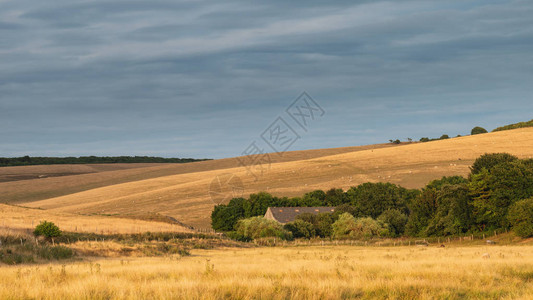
[[182, 191], [15, 219], [340, 272]]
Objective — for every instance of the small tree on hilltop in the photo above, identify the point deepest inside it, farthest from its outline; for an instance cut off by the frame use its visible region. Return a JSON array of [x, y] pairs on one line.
[[47, 229], [478, 130]]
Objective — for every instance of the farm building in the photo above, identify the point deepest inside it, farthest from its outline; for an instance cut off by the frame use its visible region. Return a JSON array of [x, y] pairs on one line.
[[288, 214]]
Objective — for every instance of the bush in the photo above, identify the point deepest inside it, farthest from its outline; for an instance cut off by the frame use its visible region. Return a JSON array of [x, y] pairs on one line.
[[259, 227], [521, 217], [343, 226], [444, 137], [47, 229], [478, 130], [363, 228], [301, 229]]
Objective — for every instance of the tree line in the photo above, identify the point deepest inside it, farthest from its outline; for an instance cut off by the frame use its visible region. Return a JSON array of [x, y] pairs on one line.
[[497, 194], [27, 160]]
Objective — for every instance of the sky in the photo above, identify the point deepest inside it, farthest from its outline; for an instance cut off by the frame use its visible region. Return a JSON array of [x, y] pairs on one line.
[[206, 79]]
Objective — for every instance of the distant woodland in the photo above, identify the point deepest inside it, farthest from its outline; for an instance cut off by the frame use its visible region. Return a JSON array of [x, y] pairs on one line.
[[27, 160]]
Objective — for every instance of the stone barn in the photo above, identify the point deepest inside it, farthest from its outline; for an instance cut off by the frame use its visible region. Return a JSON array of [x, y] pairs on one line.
[[288, 214]]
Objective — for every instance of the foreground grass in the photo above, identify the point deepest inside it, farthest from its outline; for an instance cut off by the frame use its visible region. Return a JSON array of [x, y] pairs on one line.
[[282, 273]]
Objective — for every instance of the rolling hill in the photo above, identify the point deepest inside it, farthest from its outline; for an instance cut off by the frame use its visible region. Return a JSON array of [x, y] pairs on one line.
[[183, 191]]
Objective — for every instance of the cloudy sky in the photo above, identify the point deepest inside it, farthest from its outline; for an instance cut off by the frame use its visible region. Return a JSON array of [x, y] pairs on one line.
[[206, 78]]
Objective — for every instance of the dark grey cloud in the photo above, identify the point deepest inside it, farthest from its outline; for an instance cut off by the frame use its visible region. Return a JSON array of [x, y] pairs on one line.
[[204, 78]]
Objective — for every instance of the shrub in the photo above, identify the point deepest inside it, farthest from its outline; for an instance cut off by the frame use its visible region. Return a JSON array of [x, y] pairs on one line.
[[301, 229], [478, 130], [343, 226], [363, 228], [259, 227], [521, 217], [444, 137], [47, 229], [366, 228]]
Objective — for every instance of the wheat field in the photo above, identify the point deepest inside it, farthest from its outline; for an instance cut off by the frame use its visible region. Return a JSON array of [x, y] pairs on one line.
[[331, 272]]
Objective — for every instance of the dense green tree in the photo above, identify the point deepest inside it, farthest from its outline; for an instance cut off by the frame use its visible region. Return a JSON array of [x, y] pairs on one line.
[[442, 208], [321, 222], [444, 137], [258, 204], [478, 130], [451, 180], [224, 217], [301, 229], [521, 217], [453, 212], [494, 191], [396, 221], [488, 161], [334, 197], [372, 199], [344, 208], [422, 211]]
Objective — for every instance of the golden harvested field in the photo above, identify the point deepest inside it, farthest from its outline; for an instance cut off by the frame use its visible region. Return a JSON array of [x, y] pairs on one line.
[[17, 218], [86, 177], [185, 196], [44, 171], [282, 273]]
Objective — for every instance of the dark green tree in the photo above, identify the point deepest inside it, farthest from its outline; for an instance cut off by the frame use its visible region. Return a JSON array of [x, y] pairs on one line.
[[494, 191], [301, 229], [488, 161], [224, 217], [372, 199], [334, 197], [396, 221], [521, 217], [478, 130]]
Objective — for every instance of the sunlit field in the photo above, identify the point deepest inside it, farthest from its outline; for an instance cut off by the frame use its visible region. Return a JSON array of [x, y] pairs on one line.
[[482, 272]]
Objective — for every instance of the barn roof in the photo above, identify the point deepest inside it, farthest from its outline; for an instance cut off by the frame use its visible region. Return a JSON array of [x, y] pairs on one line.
[[289, 214]]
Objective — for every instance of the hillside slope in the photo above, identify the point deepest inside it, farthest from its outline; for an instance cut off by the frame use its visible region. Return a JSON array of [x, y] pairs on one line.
[[186, 196], [26, 186]]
